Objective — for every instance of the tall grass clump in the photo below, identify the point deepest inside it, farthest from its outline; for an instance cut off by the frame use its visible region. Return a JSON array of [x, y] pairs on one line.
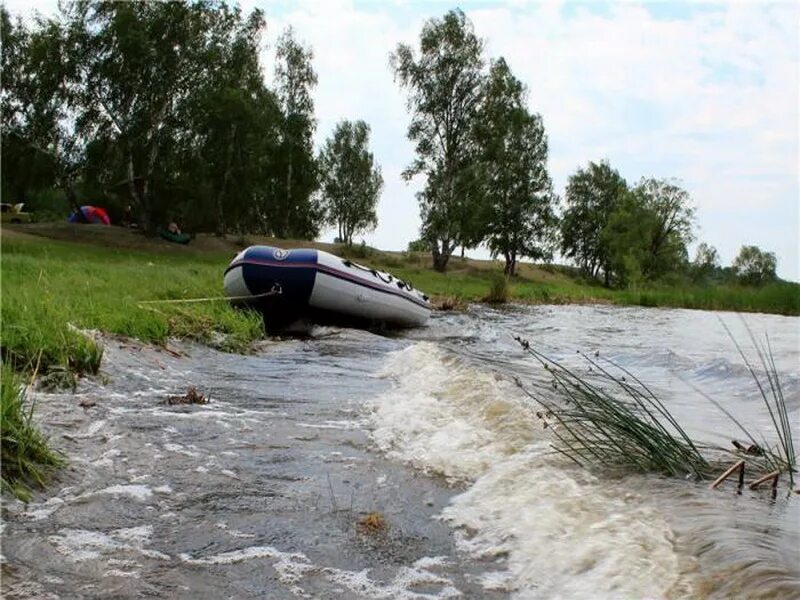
[[781, 456], [613, 422], [499, 291], [610, 418], [27, 460]]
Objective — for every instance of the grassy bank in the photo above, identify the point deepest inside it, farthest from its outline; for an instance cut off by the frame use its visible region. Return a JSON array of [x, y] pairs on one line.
[[26, 458], [60, 279], [537, 285], [54, 289]]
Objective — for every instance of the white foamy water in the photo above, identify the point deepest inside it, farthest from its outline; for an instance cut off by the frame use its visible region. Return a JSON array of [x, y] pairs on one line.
[[293, 567], [565, 533]]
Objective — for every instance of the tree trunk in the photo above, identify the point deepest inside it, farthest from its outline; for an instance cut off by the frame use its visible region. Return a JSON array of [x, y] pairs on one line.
[[441, 256], [288, 207], [511, 264], [221, 229], [142, 211]]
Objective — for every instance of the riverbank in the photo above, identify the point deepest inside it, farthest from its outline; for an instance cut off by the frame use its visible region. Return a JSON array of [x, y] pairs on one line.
[[61, 280]]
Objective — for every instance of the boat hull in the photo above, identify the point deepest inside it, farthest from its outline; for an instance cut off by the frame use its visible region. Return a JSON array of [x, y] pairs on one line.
[[286, 285]]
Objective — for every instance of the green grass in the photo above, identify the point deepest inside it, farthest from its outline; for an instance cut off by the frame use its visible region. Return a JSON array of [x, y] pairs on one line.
[[779, 297], [26, 458], [608, 418], [52, 290]]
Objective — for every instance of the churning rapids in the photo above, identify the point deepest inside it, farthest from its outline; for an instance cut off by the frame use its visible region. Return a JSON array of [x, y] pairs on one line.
[[260, 493]]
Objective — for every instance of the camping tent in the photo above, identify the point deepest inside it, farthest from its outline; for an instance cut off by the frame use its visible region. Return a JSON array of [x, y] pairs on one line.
[[90, 214]]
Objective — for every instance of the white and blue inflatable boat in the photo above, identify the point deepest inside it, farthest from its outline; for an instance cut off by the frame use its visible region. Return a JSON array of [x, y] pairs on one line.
[[286, 285]]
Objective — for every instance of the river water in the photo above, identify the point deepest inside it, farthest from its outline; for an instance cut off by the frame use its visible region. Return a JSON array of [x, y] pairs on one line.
[[263, 492]]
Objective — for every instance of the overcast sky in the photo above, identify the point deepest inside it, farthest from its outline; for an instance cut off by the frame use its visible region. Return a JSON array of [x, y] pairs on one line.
[[705, 93]]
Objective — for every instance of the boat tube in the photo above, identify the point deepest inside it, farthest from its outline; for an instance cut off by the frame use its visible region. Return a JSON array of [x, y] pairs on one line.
[[286, 285]]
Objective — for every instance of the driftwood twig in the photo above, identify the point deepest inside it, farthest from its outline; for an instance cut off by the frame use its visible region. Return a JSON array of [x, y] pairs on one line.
[[738, 466]]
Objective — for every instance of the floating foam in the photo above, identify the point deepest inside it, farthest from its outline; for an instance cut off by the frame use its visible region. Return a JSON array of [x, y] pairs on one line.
[[292, 567], [136, 491], [80, 545]]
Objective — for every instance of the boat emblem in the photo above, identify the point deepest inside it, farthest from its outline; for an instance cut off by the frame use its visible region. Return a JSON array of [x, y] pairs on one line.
[[280, 254]]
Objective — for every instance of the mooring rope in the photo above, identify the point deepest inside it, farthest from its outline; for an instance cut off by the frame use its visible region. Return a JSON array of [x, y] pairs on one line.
[[275, 291]]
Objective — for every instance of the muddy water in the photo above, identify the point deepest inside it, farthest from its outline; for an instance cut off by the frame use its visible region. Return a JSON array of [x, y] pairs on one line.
[[260, 492]]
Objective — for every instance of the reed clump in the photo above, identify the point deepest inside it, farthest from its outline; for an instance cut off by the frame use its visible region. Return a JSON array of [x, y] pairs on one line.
[[609, 418], [27, 459], [622, 426], [781, 456]]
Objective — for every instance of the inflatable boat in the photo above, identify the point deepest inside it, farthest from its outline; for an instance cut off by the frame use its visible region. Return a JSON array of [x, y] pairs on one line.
[[286, 285]]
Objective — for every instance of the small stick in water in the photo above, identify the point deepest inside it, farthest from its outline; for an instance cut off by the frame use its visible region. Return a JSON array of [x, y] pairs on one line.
[[739, 465], [774, 476]]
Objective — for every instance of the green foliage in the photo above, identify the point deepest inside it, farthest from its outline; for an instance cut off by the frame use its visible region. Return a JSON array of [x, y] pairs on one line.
[[26, 458], [521, 220], [754, 266], [419, 246], [705, 263], [629, 236], [499, 292], [444, 81], [671, 216], [295, 214], [161, 106], [350, 181], [592, 196]]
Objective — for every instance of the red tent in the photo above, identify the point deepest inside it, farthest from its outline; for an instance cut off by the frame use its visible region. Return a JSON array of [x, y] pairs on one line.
[[90, 214]]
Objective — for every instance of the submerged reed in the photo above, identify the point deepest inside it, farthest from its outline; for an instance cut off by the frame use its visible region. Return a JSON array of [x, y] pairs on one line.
[[781, 456], [610, 418], [629, 429], [26, 457]]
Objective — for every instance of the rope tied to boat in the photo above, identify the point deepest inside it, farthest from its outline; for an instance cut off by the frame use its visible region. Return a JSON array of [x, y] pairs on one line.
[[275, 291]]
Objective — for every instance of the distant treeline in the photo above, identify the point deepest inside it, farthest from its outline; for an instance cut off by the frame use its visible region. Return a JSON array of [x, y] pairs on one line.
[[162, 107], [484, 156]]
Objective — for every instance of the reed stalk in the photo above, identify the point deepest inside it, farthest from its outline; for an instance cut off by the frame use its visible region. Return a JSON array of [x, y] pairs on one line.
[[625, 426], [610, 418]]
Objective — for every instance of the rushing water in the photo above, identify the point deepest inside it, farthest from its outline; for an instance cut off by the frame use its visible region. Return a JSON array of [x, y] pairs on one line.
[[259, 493]]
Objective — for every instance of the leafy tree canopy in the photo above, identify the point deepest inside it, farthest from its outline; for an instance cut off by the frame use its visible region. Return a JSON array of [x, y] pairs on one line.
[[444, 79], [351, 182], [516, 187], [593, 194], [754, 266]]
